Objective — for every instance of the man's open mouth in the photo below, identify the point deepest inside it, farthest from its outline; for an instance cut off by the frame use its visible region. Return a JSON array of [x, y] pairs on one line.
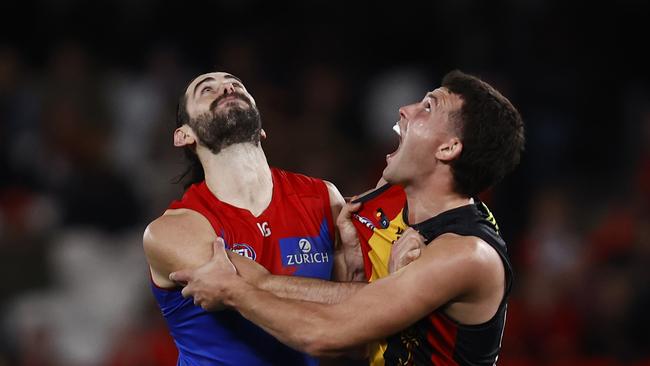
[[398, 131]]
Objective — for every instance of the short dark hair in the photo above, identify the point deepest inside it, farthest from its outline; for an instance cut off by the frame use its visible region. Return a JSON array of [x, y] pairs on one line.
[[194, 171], [491, 130]]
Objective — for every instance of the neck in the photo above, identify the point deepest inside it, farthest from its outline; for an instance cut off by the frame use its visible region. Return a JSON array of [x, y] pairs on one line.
[[239, 175], [431, 199]]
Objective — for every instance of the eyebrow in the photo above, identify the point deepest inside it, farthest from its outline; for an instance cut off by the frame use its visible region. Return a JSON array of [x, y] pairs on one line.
[[228, 76], [210, 78], [201, 82], [430, 95]]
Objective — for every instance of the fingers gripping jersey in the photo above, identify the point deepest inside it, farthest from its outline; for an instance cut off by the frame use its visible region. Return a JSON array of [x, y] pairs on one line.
[[435, 339], [379, 224], [293, 236]]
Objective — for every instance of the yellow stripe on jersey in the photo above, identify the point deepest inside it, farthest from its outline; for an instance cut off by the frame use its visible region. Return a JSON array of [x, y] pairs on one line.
[[381, 242], [491, 218], [377, 350]]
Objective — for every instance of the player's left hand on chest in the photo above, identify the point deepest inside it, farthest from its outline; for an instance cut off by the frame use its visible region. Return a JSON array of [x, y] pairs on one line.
[[405, 250]]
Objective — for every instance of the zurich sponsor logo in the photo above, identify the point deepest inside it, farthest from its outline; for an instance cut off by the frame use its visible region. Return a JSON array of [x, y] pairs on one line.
[[304, 245], [244, 250], [310, 255], [306, 257]]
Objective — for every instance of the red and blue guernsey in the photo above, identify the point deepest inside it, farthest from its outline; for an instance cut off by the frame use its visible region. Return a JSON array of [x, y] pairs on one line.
[[293, 236]]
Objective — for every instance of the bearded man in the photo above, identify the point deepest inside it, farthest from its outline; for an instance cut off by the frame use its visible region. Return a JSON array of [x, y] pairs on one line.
[[281, 220]]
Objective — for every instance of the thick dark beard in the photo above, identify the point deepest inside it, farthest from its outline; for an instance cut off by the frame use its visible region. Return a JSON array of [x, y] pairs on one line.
[[217, 131]]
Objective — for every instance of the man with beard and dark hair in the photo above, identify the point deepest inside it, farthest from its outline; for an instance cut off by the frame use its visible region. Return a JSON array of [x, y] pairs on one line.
[[281, 220]]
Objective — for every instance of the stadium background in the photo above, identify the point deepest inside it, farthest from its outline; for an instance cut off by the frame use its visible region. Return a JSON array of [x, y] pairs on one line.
[[88, 93]]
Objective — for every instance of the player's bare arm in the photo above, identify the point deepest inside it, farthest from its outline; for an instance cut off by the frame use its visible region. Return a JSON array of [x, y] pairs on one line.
[[450, 264], [289, 287], [178, 239]]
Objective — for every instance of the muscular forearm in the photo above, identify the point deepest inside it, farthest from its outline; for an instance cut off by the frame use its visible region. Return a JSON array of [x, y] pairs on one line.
[[309, 289], [290, 287], [305, 326]]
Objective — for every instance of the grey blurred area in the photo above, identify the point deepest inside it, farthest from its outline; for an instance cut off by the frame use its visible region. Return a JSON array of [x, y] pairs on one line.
[[88, 95]]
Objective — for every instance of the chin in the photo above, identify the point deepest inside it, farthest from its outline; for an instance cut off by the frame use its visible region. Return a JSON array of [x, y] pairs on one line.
[[386, 174], [394, 176]]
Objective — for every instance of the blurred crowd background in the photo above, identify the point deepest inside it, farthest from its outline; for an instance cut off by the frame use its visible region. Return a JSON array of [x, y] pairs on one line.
[[88, 94]]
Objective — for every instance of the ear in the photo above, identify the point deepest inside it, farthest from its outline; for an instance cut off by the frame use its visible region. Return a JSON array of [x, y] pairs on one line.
[[183, 136], [449, 150], [263, 134]]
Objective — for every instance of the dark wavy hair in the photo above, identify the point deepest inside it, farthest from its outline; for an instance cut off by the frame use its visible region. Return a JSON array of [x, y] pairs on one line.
[[194, 171], [491, 130]]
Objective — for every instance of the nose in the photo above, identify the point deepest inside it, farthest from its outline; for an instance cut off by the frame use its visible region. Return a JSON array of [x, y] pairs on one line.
[[407, 110], [228, 88], [402, 112]]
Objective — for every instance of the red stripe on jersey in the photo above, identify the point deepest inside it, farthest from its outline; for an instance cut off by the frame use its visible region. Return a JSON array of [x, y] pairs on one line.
[[442, 337]]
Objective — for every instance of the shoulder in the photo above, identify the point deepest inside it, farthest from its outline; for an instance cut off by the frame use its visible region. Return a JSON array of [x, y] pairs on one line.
[[336, 199], [174, 226], [292, 177], [469, 259], [178, 239], [303, 184]]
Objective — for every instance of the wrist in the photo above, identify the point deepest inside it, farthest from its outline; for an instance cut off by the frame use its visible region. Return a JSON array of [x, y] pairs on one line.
[[352, 247], [235, 292]]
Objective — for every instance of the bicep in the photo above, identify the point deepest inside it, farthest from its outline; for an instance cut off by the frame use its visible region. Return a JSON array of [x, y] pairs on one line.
[[336, 204], [391, 304], [172, 243], [336, 200]]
